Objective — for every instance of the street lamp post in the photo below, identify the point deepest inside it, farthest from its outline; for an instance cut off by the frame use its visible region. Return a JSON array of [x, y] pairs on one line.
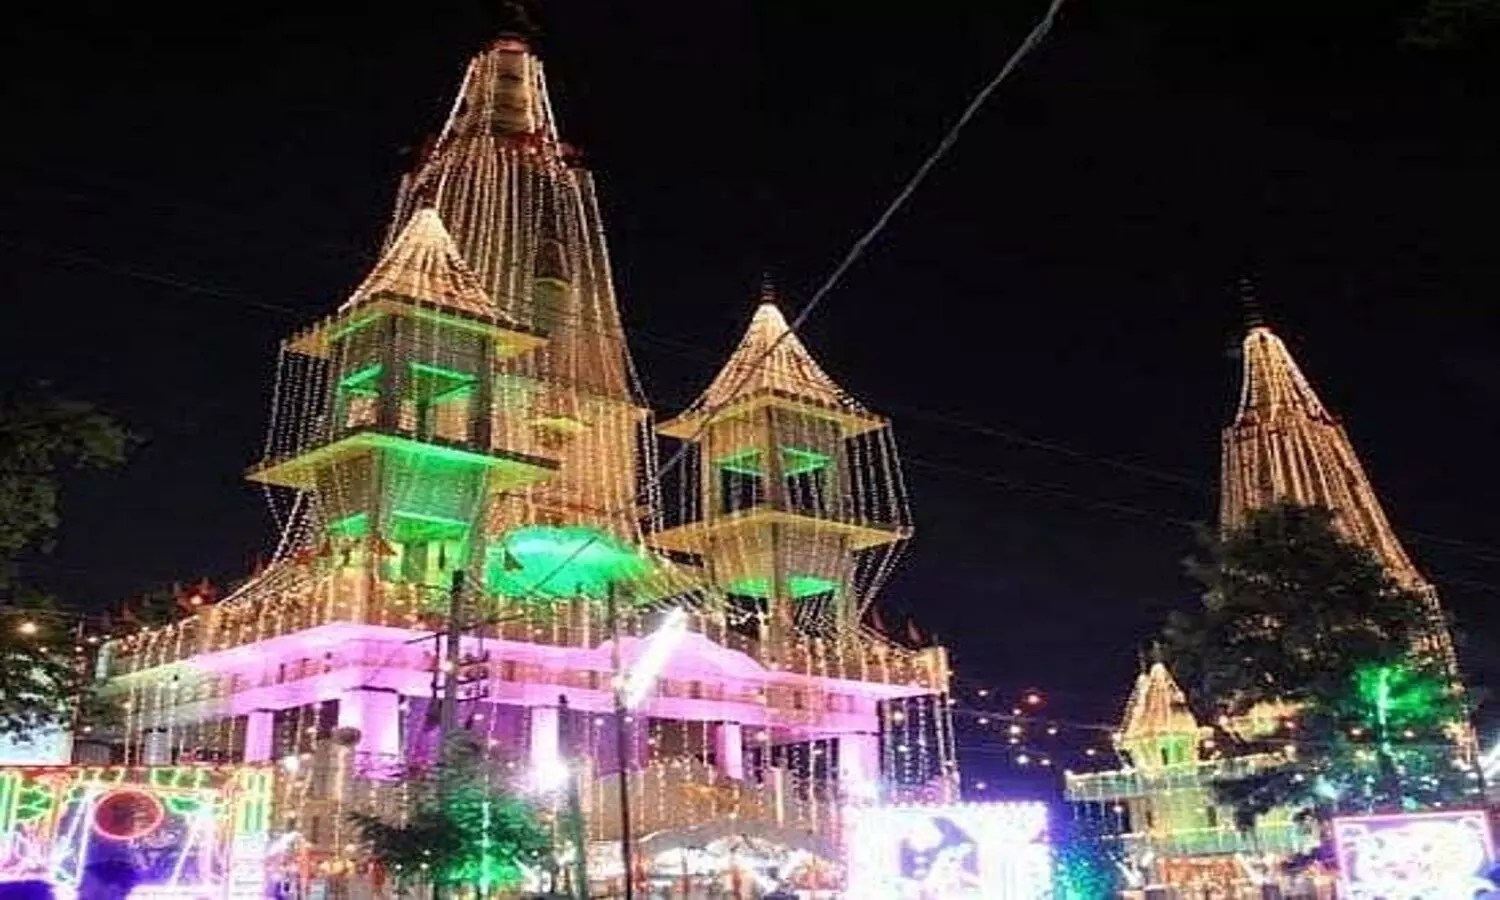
[[574, 774], [622, 746]]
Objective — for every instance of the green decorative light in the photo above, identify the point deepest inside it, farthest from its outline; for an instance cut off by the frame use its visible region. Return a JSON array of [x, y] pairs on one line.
[[363, 381], [344, 329], [742, 462], [794, 461], [560, 562], [415, 527], [354, 526], [1399, 696], [797, 586], [436, 384], [34, 802], [183, 805]]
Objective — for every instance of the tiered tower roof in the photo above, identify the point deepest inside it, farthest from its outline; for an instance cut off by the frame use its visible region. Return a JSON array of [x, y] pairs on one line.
[[424, 265], [1157, 707], [770, 365], [1159, 729]]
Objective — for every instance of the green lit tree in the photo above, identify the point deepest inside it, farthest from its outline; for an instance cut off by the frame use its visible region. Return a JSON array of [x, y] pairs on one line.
[[462, 828], [41, 438], [1295, 614]]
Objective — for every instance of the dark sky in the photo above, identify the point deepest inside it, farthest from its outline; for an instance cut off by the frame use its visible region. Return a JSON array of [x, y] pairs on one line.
[[182, 189]]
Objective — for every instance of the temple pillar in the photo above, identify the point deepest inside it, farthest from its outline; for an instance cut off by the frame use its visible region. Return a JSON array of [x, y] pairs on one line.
[[729, 750], [260, 731], [545, 750], [377, 716], [859, 764]]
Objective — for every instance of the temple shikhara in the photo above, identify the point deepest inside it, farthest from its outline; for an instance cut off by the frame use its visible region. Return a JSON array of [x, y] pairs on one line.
[[475, 537], [1283, 445]]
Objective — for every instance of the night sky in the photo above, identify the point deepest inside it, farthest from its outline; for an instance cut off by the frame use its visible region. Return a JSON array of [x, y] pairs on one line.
[[1052, 323]]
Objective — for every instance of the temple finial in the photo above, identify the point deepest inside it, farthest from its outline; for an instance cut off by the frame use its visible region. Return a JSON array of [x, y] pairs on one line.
[[1249, 302], [513, 20], [767, 288]]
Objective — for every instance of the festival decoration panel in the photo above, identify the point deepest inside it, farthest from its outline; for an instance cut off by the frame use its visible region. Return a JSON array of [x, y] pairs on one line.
[[995, 851], [187, 831], [1418, 856]]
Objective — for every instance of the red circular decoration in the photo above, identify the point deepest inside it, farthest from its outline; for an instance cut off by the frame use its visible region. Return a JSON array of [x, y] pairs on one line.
[[126, 814]]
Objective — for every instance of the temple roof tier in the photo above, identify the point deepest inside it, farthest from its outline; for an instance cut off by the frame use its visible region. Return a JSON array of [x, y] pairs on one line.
[[771, 366]]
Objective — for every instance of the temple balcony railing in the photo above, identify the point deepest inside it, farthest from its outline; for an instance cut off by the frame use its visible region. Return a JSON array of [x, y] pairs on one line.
[[1223, 840], [298, 598], [1129, 784]]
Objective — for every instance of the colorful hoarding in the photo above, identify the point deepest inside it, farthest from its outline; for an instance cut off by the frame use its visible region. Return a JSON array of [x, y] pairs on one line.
[[994, 851], [1417, 856], [187, 832]]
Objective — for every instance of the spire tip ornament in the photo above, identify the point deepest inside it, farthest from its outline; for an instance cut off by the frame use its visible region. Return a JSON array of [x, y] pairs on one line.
[[1250, 303], [767, 288], [514, 22]]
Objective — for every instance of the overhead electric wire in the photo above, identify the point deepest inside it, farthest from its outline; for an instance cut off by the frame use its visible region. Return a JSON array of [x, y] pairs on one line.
[[1462, 547], [1032, 39]]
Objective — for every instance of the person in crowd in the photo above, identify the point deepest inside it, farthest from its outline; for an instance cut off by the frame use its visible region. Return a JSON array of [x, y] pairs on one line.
[[25, 890], [107, 879]]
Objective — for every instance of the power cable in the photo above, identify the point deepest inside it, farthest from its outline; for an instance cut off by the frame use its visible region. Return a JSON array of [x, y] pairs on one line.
[[1467, 548], [1032, 39]]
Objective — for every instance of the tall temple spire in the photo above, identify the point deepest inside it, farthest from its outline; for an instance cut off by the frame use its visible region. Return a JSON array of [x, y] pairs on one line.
[[1285, 446], [524, 218], [524, 215]]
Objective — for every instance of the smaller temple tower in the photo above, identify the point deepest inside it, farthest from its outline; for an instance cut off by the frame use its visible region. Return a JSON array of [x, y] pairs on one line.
[[797, 503], [1159, 728], [399, 450], [1161, 801]]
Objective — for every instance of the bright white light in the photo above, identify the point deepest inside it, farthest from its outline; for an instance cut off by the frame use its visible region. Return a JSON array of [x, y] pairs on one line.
[[282, 844], [659, 647], [998, 851], [550, 775]]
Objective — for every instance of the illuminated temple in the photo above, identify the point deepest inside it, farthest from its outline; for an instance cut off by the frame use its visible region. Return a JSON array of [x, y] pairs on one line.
[[1283, 445], [462, 444]]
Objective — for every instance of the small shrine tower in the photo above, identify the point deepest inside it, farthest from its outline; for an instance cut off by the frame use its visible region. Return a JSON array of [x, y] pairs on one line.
[[1159, 728], [1161, 802], [797, 502]]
